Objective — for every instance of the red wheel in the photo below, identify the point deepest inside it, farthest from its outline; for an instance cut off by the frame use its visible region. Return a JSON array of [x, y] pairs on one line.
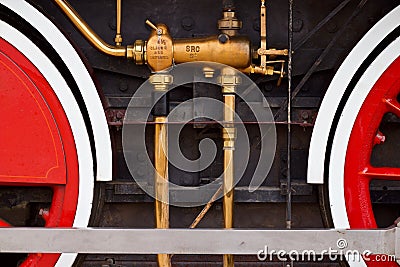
[[66, 128], [37, 145], [63, 144], [359, 172], [365, 134], [347, 132]]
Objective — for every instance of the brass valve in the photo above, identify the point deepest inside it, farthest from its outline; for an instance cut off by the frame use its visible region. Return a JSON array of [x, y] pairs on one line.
[[227, 48], [160, 51]]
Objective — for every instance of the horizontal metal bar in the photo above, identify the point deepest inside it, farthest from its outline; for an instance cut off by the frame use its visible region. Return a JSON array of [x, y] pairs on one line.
[[193, 241], [127, 192]]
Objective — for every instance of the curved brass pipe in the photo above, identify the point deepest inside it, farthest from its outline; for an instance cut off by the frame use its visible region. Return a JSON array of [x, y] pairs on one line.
[[88, 33]]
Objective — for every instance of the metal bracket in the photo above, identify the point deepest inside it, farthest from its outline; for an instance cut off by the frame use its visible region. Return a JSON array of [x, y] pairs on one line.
[[196, 241]]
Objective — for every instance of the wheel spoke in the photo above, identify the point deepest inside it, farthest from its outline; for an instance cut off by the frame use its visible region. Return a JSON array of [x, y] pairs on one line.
[[393, 106], [382, 173]]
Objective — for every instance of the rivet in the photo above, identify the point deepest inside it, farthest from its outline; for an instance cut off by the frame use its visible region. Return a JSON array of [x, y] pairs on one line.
[[297, 25], [123, 86], [187, 23]]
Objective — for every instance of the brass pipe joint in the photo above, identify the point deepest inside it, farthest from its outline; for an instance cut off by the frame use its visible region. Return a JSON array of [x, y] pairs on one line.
[[137, 52], [229, 137]]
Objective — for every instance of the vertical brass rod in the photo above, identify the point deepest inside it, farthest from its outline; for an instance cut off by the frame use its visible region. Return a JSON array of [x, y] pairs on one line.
[[263, 31], [161, 182], [118, 36], [229, 144]]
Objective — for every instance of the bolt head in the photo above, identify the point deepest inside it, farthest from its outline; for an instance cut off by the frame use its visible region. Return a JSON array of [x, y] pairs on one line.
[[223, 38]]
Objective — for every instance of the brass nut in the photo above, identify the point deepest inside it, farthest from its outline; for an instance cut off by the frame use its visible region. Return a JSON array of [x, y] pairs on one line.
[[229, 22], [137, 52], [161, 81]]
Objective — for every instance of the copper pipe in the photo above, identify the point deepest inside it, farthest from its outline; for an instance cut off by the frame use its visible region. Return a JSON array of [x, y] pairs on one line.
[[161, 182], [118, 36], [88, 33]]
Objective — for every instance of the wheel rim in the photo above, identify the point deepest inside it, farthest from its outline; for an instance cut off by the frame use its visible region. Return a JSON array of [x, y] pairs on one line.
[[365, 135], [46, 156]]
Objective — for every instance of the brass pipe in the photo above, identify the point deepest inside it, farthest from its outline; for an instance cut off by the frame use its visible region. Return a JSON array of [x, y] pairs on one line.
[[88, 33], [118, 36], [229, 144], [161, 182], [161, 188], [229, 80]]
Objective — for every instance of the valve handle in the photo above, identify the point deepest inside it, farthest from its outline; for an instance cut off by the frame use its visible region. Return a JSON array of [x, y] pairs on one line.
[[154, 27], [281, 74]]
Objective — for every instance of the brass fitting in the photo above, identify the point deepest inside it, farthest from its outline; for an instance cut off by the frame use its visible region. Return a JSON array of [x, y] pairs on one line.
[[229, 137], [118, 39], [267, 70], [160, 49], [229, 83], [137, 52], [161, 81], [272, 52], [229, 24]]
